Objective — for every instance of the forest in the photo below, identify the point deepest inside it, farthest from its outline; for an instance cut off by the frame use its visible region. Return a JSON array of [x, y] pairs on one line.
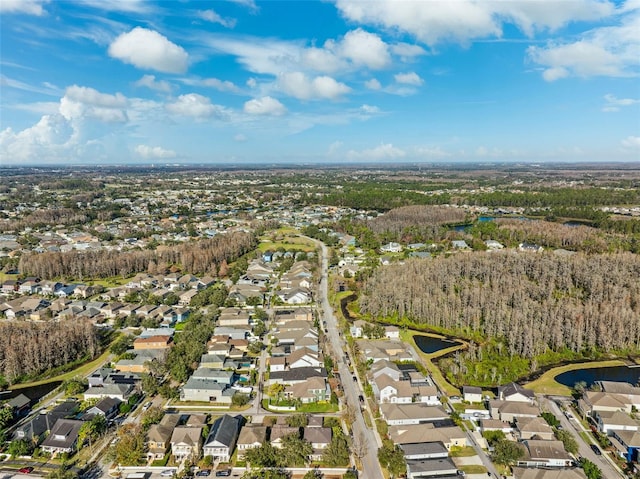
[[528, 304], [28, 349], [198, 257]]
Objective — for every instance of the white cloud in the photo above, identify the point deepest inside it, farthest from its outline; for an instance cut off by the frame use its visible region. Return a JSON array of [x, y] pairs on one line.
[[30, 7], [150, 82], [298, 85], [252, 83], [213, 17], [605, 51], [220, 85], [409, 78], [240, 138], [334, 148], [193, 105], [631, 142], [250, 4], [373, 84], [322, 60], [153, 152], [48, 89], [465, 20], [149, 50], [81, 102], [407, 51], [48, 140], [614, 104], [127, 6], [264, 106], [364, 48], [384, 151], [369, 109]]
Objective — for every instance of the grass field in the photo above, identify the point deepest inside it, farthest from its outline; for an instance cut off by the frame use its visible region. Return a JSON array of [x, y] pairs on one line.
[[83, 370], [436, 374], [547, 384]]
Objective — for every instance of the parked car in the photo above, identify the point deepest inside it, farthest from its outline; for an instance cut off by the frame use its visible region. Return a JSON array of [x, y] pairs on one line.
[[596, 450], [203, 472], [26, 470], [146, 406], [167, 473], [223, 473]]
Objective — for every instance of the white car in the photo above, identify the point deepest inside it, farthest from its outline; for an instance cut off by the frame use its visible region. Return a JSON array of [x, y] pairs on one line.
[[167, 473]]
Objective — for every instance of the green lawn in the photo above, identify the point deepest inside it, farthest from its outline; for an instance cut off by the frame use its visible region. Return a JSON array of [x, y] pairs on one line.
[[547, 384], [82, 370], [474, 469], [436, 374], [466, 451]]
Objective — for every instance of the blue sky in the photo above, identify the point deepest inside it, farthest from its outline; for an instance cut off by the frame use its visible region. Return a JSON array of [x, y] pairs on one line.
[[389, 81]]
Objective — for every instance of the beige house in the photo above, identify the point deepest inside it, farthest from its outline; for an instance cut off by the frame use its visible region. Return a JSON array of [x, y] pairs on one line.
[[251, 436], [159, 436], [186, 442]]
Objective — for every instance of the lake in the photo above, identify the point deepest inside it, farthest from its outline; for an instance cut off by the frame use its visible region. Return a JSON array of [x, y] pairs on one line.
[[591, 375], [35, 393], [430, 344]]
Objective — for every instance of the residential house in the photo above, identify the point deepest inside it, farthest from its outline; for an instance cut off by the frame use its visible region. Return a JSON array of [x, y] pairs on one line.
[[515, 392], [313, 389], [593, 401], [117, 391], [388, 390], [540, 453], [278, 363], [153, 342], [63, 437], [615, 420], [356, 328], [392, 332], [627, 443], [219, 376], [405, 414], [450, 436], [222, 438], [186, 442], [203, 390], [278, 433], [319, 438], [386, 367], [304, 357], [107, 407], [251, 436], [424, 450], [508, 411], [213, 361], [471, 394], [391, 247], [533, 428], [159, 436], [442, 467], [530, 473]]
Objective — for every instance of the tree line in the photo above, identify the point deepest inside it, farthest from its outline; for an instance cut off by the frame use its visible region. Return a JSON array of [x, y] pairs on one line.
[[197, 257], [532, 303], [30, 349]]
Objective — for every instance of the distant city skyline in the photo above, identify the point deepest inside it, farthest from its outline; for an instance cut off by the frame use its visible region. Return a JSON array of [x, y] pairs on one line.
[[103, 82]]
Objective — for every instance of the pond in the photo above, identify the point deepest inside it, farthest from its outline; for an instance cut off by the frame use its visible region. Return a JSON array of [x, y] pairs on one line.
[[591, 375], [431, 344], [35, 393]]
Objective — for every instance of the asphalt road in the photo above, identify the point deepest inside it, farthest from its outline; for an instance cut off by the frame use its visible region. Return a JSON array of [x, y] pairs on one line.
[[370, 464], [584, 449]]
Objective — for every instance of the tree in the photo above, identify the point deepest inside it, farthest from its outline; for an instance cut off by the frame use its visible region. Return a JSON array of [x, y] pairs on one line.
[[298, 420], [129, 450], [591, 470], [263, 456], [295, 451], [267, 474], [153, 415], [312, 474], [63, 472], [360, 446], [255, 347], [73, 386], [21, 447], [149, 384], [350, 474], [392, 458], [6, 415], [240, 399], [337, 453], [507, 453], [551, 419], [259, 328], [568, 440]]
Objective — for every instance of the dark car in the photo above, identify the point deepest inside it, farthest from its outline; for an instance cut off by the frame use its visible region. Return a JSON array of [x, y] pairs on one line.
[[596, 450], [203, 473], [224, 473], [26, 470]]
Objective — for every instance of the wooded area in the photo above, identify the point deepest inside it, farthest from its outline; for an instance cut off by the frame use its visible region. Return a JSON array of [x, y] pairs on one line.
[[532, 302], [198, 257], [416, 219], [32, 348]]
